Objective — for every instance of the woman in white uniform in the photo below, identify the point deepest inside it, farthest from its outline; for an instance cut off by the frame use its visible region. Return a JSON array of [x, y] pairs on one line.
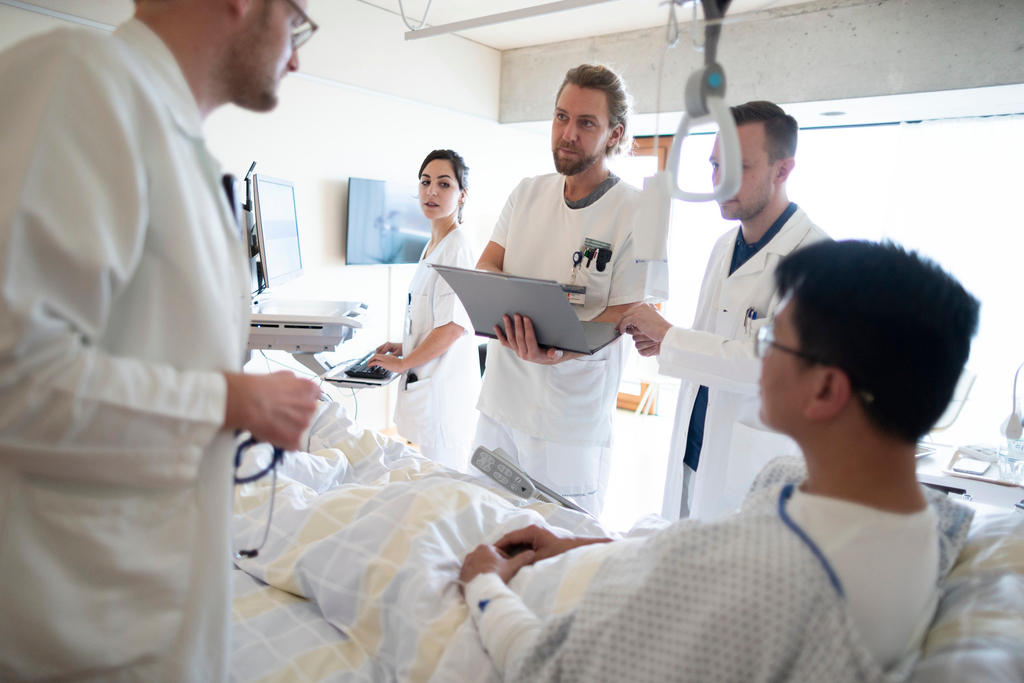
[[438, 354]]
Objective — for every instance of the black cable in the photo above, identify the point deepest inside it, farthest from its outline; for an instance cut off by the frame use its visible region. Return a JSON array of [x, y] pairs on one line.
[[713, 10]]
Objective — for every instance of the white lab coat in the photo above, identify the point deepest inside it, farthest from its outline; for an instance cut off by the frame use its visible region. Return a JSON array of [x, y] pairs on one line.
[[438, 410], [122, 299], [718, 353]]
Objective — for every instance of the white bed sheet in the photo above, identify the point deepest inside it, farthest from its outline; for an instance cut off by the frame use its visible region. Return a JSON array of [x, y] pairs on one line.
[[358, 578]]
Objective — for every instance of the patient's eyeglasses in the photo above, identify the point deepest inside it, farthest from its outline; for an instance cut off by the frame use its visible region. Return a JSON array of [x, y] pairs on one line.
[[250, 467], [303, 27], [766, 339]]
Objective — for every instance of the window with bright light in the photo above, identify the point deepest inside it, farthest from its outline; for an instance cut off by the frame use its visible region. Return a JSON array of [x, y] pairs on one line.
[[952, 190]]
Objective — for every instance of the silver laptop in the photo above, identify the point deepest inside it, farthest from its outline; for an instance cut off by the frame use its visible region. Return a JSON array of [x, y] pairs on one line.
[[488, 296]]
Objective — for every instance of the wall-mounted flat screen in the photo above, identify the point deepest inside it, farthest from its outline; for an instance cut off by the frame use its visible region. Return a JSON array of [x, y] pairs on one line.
[[385, 225]]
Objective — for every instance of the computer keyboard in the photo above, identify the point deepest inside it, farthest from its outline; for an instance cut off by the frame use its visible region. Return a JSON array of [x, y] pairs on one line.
[[362, 370]]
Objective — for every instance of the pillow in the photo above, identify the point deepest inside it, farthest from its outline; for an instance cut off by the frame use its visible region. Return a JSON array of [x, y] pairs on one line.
[[978, 630]]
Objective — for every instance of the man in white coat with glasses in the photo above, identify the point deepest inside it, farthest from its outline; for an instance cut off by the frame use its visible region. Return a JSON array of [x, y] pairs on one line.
[[718, 443], [123, 320]]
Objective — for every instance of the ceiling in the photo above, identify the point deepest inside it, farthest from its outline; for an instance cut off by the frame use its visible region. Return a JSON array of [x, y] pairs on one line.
[[584, 19], [590, 18], [106, 12], [599, 17]]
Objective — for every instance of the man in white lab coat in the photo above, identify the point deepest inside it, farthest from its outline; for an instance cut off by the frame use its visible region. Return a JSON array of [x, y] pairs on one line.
[[718, 442], [124, 314]]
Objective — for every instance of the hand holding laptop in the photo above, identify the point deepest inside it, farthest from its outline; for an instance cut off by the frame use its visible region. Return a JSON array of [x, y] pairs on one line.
[[526, 315], [519, 336]]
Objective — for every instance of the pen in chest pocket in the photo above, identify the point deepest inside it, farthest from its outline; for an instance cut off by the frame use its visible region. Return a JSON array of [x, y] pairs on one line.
[[748, 319]]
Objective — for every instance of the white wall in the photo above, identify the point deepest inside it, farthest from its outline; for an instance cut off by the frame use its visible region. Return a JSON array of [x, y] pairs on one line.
[[324, 132], [364, 104]]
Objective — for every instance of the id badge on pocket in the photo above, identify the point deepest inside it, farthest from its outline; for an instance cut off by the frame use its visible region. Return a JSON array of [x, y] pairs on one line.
[[577, 294]]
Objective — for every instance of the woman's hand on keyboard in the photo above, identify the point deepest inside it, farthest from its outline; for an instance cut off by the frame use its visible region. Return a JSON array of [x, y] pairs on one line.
[[390, 347], [388, 361]]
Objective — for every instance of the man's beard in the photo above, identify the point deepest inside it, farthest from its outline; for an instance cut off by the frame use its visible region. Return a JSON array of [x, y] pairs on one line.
[[570, 167], [259, 97], [246, 74], [751, 208]]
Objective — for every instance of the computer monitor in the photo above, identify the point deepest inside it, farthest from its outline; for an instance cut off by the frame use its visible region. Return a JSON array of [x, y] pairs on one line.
[[277, 231], [384, 225]]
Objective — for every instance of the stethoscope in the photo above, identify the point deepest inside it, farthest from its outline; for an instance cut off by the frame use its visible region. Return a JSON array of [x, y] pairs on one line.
[[276, 459]]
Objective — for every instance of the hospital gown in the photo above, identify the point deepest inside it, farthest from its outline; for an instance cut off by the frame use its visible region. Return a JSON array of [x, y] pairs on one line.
[[745, 599]]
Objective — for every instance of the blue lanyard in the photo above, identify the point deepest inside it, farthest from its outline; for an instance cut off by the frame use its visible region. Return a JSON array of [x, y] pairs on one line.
[[787, 493]]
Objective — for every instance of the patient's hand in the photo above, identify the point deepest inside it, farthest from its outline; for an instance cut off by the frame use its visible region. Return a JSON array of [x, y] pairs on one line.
[[543, 543], [487, 558]]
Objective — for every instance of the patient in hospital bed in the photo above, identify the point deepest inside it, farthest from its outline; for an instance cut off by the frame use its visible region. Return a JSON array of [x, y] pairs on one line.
[[358, 579], [829, 574]]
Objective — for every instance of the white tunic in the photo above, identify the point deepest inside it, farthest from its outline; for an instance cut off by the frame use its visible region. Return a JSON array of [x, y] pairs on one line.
[[718, 352], [571, 402], [123, 298], [438, 409]]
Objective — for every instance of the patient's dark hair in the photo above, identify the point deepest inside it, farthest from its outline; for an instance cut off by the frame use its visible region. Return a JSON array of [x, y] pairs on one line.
[[894, 321], [458, 163], [780, 128]]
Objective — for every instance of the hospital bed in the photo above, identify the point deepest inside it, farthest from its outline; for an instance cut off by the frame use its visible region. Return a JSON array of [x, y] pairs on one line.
[[357, 580]]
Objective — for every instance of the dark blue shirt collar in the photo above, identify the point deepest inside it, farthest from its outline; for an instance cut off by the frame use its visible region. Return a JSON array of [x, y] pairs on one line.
[[743, 252]]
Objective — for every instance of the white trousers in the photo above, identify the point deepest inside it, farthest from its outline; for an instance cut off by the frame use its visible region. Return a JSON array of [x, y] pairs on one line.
[[576, 472]]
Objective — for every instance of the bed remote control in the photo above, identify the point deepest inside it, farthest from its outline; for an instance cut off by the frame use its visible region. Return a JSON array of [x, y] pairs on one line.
[[496, 465]]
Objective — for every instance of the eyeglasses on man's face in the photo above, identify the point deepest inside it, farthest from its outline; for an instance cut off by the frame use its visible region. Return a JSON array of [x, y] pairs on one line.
[[303, 27], [766, 340]]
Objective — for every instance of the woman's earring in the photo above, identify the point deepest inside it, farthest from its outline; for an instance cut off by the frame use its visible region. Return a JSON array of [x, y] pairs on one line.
[[458, 216]]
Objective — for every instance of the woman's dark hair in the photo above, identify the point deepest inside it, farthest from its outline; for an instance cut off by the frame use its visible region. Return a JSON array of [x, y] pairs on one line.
[[458, 163]]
